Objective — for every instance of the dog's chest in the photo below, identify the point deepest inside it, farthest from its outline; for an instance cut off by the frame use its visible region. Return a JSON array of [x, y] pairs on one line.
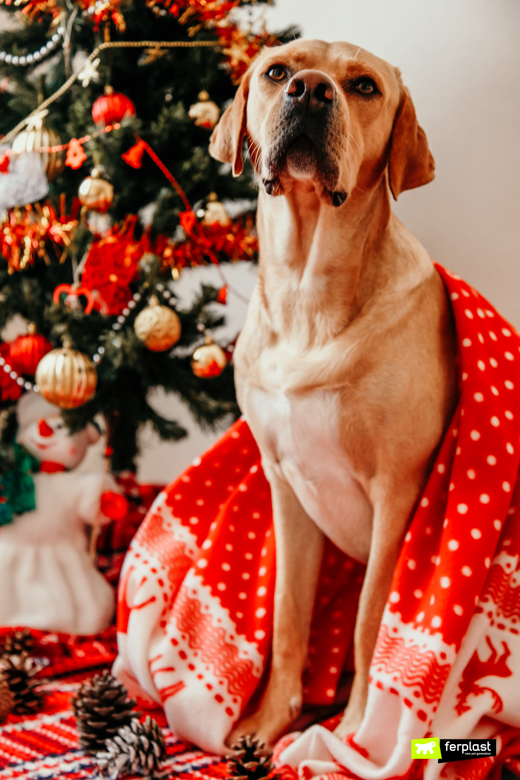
[[299, 436]]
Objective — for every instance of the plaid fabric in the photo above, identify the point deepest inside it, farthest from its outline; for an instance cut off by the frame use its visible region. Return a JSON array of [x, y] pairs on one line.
[[45, 746]]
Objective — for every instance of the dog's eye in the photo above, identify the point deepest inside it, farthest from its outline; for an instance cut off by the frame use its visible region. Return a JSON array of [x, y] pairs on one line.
[[277, 73], [365, 86]]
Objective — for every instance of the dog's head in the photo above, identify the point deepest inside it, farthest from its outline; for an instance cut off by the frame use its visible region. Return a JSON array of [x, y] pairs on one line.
[[330, 113]]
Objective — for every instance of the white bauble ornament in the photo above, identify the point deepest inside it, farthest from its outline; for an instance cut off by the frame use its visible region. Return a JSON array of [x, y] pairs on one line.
[[206, 113], [215, 212]]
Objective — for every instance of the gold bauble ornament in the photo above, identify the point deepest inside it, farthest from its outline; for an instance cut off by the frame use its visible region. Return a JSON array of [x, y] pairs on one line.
[[37, 136], [215, 212], [209, 360], [95, 192], [66, 377], [206, 113], [158, 327]]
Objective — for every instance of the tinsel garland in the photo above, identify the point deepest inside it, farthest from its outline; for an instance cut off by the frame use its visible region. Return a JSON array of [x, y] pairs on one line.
[[103, 12], [32, 232], [29, 232], [204, 243], [239, 47], [113, 261]]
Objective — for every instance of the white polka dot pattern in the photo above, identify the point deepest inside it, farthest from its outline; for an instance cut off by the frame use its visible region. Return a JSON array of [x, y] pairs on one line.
[[463, 537], [198, 582]]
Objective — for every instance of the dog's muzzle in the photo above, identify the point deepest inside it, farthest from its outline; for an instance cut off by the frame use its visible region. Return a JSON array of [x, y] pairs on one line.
[[310, 90], [308, 109]]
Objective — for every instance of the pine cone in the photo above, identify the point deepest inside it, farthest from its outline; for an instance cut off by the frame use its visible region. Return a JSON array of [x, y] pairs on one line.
[[136, 749], [101, 707], [6, 699], [17, 643], [19, 672], [250, 760]]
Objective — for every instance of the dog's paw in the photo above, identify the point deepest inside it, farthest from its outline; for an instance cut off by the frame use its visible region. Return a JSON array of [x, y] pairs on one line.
[[349, 724], [268, 723]]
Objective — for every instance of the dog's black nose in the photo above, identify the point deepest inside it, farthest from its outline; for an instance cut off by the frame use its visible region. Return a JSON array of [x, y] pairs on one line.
[[311, 88]]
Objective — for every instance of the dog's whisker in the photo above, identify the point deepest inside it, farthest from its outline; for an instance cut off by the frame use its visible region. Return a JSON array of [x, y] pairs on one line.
[[256, 147], [253, 138], [351, 140]]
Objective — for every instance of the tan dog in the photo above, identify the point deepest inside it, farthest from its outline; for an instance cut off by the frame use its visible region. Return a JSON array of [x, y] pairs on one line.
[[345, 369]]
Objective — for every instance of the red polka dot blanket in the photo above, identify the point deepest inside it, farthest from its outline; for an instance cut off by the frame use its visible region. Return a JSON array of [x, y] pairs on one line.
[[196, 595]]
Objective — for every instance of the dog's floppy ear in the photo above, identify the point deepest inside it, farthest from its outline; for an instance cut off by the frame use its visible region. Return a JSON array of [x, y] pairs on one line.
[[411, 163], [228, 137]]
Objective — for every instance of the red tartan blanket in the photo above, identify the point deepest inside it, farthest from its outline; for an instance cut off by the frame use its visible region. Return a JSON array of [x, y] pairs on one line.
[[45, 746], [195, 609]]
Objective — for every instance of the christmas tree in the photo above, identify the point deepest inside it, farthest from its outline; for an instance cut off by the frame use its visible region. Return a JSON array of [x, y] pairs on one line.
[[94, 104]]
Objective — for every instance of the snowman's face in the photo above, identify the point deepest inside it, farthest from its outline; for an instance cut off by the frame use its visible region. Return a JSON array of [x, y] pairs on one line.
[[49, 439]]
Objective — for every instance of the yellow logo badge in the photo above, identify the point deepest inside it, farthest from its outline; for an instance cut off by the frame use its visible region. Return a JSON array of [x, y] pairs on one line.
[[426, 748]]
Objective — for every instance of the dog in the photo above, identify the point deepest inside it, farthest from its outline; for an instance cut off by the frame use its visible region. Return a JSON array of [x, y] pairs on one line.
[[425, 747], [345, 368]]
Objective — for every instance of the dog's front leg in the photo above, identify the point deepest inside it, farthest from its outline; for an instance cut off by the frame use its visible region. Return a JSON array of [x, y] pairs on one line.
[[299, 549], [391, 515]]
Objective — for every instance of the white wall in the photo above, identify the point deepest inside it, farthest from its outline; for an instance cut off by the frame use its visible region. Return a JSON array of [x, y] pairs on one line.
[[461, 61]]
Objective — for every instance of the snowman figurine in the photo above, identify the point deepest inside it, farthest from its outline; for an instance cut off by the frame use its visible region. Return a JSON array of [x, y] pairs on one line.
[[47, 579]]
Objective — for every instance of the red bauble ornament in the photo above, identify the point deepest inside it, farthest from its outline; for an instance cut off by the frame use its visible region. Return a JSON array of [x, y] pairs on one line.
[[209, 360], [114, 505], [111, 107], [27, 351]]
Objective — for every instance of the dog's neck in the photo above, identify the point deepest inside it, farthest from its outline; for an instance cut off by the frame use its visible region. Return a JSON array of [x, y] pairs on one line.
[[319, 265]]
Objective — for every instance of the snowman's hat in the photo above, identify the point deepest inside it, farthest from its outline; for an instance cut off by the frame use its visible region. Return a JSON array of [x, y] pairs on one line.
[[32, 407]]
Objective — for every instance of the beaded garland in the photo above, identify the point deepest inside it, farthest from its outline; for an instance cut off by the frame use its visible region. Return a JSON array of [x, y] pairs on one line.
[[98, 356], [30, 59]]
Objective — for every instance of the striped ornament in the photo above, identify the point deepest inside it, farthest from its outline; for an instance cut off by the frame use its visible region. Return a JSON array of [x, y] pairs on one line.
[[66, 377]]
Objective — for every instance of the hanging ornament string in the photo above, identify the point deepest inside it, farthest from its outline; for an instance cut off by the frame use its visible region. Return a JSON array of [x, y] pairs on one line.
[[134, 157], [169, 176], [229, 287], [103, 47]]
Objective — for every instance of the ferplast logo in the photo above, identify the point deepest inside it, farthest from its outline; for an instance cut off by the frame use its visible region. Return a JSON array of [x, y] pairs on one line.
[[445, 750], [426, 748]]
